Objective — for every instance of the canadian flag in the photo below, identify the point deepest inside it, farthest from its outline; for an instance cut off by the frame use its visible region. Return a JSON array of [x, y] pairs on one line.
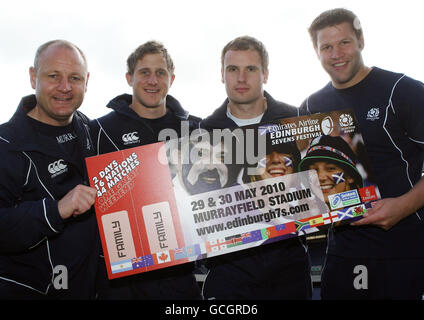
[[163, 256]]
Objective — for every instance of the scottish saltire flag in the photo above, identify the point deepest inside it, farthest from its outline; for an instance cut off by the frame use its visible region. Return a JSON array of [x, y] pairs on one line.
[[351, 212], [338, 177], [121, 266], [287, 161]]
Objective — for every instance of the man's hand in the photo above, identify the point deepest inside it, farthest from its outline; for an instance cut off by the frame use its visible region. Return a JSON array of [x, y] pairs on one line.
[[77, 201], [387, 212]]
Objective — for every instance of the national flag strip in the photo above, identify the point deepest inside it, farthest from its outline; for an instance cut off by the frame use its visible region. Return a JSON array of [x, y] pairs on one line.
[[142, 262], [316, 221], [351, 212], [302, 225], [193, 250], [248, 237], [310, 222], [186, 252], [180, 253], [238, 239], [121, 266], [330, 217], [235, 240], [216, 245], [359, 211], [283, 229], [251, 236], [278, 230], [265, 233], [162, 257]]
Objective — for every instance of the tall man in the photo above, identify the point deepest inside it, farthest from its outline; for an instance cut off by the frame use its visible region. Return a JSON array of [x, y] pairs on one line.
[[380, 257], [49, 244], [273, 271], [136, 120]]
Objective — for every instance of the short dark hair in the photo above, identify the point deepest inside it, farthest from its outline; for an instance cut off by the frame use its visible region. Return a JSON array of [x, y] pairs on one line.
[[59, 42], [150, 47], [247, 43], [334, 17]]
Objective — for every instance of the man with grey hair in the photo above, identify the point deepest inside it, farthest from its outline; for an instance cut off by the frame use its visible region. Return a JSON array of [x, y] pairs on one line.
[[49, 243], [148, 111], [277, 270], [379, 256]]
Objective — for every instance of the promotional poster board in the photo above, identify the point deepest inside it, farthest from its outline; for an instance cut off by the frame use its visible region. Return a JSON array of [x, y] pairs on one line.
[[217, 192]]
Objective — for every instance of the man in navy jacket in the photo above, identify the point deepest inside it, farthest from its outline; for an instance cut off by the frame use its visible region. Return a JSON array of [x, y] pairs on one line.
[[273, 271], [137, 120], [49, 244], [380, 256]]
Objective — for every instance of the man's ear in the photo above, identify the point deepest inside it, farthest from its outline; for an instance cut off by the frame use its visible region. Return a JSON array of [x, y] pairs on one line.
[[266, 74], [129, 79], [361, 43], [33, 77], [86, 81], [317, 52]]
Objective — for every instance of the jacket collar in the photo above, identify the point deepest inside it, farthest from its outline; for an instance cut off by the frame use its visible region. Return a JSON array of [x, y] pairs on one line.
[[219, 119], [28, 140], [122, 102]]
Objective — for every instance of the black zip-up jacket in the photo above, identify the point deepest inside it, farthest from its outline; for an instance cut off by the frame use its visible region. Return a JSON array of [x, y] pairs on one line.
[[34, 239], [255, 273], [122, 129], [275, 110]]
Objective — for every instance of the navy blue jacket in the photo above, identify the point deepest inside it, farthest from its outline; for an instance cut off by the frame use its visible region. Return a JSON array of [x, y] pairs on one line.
[[122, 129], [277, 270], [34, 239], [389, 109]]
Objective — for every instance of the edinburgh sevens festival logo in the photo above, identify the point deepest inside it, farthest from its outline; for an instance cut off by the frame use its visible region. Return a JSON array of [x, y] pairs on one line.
[[345, 122], [327, 125]]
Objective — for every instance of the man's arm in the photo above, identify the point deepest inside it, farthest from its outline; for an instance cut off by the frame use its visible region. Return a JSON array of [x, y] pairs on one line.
[[388, 212], [407, 101], [76, 201], [24, 223]]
